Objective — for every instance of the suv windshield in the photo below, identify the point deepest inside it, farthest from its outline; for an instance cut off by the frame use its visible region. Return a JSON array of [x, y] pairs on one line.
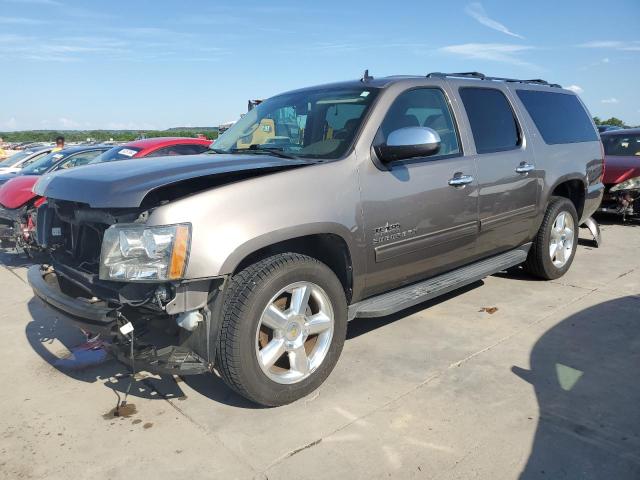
[[116, 153], [43, 165], [318, 123], [621, 145]]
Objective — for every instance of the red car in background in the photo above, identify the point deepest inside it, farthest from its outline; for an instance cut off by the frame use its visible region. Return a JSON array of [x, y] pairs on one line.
[[621, 172], [18, 203], [156, 147]]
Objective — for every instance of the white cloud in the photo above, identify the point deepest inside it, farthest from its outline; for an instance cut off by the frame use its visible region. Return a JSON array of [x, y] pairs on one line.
[[497, 52], [575, 88], [609, 100], [477, 11], [20, 21], [628, 46]]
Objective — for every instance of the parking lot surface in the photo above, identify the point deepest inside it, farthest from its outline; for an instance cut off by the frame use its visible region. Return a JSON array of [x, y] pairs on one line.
[[545, 386]]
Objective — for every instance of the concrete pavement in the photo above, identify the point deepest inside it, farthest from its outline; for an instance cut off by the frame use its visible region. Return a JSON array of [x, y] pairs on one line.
[[545, 387]]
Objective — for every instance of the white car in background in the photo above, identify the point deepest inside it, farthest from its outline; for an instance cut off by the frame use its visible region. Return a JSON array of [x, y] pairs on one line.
[[21, 159]]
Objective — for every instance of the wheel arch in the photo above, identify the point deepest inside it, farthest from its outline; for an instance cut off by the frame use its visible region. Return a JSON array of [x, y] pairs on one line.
[[328, 245], [572, 187]]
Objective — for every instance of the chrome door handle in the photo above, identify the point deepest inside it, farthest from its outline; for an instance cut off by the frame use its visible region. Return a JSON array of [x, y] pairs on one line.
[[525, 168], [460, 180]]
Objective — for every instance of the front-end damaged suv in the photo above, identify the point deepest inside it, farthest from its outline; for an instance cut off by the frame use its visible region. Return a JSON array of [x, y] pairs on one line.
[[356, 199]]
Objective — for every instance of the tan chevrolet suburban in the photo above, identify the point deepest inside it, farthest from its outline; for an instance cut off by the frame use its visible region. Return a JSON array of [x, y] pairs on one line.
[[321, 205]]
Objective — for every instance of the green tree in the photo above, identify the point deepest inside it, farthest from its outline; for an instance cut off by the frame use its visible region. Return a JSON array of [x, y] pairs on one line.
[[614, 121]]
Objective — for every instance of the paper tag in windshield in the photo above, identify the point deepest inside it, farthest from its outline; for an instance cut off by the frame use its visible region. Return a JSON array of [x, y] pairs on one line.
[[127, 152]]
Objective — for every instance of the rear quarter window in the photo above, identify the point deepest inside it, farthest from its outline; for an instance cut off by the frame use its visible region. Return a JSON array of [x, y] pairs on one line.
[[559, 117]]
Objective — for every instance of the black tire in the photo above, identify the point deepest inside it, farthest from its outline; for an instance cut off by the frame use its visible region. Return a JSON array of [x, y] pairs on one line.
[[248, 294], [539, 261]]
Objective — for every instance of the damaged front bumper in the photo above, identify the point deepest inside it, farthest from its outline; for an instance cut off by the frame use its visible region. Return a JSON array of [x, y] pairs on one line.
[[8, 221], [158, 344]]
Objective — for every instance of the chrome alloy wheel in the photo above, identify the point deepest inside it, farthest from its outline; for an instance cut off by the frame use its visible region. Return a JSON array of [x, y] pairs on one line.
[[294, 333], [561, 239]]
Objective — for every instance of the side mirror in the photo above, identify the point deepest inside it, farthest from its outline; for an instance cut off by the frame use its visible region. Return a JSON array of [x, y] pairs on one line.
[[409, 142]]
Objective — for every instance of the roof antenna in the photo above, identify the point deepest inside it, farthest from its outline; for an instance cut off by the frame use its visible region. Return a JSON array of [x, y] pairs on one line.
[[366, 77]]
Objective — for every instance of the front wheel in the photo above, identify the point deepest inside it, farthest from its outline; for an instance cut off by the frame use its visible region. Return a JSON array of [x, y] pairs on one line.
[[283, 327], [555, 244]]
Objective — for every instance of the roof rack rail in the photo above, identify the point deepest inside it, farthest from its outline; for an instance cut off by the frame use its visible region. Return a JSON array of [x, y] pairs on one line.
[[480, 76]]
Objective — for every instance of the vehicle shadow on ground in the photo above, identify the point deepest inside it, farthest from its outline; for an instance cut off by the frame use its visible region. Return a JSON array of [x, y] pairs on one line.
[[64, 347], [361, 326], [584, 372], [611, 219], [11, 258]]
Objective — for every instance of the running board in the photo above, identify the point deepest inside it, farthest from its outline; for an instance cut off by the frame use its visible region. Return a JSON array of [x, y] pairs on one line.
[[405, 297]]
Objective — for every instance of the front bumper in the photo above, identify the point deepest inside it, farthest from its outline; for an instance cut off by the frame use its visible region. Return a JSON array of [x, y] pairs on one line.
[[91, 316], [8, 220], [154, 351]]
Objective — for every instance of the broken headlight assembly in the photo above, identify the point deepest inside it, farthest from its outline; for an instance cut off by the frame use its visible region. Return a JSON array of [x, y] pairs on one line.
[[133, 253], [631, 184]]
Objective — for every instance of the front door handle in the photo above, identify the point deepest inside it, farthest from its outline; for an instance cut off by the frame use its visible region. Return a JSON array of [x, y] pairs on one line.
[[525, 168], [460, 180]]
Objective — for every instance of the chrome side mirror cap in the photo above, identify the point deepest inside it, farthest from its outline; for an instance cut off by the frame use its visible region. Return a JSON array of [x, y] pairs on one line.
[[409, 142]]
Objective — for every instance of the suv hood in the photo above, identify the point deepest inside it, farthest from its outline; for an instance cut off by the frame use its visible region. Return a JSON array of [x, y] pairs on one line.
[[125, 184], [618, 169]]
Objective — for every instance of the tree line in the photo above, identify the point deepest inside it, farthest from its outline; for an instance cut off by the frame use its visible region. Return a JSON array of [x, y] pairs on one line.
[[102, 135], [610, 121]]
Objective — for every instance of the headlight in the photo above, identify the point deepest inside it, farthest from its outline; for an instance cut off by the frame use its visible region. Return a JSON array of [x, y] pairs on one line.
[[138, 253], [631, 184]]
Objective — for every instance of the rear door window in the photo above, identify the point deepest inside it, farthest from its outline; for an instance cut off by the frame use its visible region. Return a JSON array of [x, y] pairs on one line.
[[189, 149], [559, 117], [493, 124]]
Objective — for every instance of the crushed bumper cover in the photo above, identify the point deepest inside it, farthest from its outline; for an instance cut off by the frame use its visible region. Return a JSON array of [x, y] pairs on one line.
[[94, 317], [193, 355], [8, 219]]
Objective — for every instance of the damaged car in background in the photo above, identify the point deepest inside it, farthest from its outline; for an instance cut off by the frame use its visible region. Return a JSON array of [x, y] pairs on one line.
[[622, 172], [351, 200]]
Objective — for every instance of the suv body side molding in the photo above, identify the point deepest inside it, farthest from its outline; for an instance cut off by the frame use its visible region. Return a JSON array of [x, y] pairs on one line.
[[405, 297]]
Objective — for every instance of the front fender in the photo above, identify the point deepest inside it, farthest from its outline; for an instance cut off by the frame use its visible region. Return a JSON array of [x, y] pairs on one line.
[[232, 221]]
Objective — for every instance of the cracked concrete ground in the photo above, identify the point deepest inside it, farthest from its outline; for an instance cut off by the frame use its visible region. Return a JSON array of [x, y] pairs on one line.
[[545, 387]]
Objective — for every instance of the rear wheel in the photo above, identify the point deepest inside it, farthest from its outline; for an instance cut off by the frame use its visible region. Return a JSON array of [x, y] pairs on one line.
[[283, 328], [555, 245]]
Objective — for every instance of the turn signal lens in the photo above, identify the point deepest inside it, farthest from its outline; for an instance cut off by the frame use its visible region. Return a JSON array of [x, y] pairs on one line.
[[180, 253]]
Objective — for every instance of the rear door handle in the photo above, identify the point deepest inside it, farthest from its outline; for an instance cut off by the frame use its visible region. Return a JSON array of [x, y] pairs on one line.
[[460, 180], [525, 168]]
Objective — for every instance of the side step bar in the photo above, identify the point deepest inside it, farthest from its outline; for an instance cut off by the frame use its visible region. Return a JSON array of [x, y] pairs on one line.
[[405, 297]]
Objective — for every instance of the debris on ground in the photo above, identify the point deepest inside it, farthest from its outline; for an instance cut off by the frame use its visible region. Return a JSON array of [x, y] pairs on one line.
[[489, 310]]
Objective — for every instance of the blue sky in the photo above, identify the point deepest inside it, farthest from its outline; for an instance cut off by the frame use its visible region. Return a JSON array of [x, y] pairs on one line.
[[156, 64]]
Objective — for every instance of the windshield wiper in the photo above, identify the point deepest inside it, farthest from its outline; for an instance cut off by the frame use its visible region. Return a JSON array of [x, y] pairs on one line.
[[255, 148]]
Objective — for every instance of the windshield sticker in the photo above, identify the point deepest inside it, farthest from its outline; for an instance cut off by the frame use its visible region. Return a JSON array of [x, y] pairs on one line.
[[127, 152], [58, 156], [364, 94]]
